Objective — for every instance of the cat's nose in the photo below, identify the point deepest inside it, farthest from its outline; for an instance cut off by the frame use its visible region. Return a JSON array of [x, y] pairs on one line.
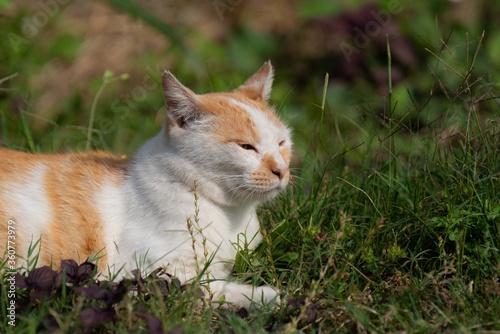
[[280, 172]]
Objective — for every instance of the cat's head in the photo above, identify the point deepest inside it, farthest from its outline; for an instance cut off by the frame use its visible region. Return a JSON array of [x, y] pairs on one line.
[[234, 139]]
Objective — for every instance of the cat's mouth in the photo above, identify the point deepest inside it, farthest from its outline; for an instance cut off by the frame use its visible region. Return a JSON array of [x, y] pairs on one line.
[[259, 188]]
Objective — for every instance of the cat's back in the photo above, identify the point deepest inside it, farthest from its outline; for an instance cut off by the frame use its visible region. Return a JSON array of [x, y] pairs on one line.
[[53, 177], [57, 195], [15, 166]]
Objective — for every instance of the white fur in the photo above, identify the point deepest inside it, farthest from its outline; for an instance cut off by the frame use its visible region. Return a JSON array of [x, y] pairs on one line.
[[30, 218], [159, 193]]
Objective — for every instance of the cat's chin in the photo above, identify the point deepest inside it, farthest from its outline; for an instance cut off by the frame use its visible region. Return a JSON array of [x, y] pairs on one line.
[[268, 194], [255, 196]]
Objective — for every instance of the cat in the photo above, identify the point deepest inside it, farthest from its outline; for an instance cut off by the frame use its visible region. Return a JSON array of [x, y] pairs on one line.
[[187, 199]]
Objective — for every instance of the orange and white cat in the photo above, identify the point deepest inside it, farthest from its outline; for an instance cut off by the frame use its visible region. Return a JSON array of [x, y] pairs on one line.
[[229, 150]]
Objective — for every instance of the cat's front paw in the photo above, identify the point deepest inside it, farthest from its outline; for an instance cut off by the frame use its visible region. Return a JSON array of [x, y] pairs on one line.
[[263, 295], [258, 296], [242, 295]]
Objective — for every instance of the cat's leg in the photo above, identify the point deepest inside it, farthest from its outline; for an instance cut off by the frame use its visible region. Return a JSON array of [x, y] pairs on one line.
[[218, 289]]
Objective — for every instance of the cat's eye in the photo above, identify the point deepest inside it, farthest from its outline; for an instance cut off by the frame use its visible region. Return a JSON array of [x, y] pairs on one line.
[[281, 143], [248, 147]]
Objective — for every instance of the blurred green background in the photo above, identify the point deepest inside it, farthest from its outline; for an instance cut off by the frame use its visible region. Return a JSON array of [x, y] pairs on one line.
[[58, 52]]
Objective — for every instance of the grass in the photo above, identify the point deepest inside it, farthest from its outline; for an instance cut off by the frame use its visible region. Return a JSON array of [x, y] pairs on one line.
[[390, 230]]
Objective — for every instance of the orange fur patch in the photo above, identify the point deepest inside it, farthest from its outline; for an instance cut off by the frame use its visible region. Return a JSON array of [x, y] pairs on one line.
[[71, 181], [233, 124], [268, 162]]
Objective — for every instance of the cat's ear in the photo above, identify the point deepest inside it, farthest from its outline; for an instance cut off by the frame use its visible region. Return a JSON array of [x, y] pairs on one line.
[[258, 86], [182, 103]]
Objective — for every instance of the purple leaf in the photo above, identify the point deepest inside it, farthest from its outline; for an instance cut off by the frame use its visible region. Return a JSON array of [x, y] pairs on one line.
[[297, 302], [242, 313], [116, 294], [71, 269], [92, 316], [311, 313], [136, 274], [162, 286], [155, 326], [50, 323], [39, 294], [85, 271], [41, 278], [109, 294], [20, 281], [94, 291]]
